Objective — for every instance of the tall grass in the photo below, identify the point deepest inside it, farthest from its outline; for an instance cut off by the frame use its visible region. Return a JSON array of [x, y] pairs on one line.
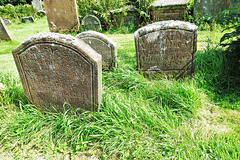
[[138, 119]]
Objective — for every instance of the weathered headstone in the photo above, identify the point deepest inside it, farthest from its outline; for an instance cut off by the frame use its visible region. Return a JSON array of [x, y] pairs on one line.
[[102, 45], [166, 47], [168, 9], [4, 33], [37, 4], [7, 21], [210, 7], [56, 68], [91, 22], [62, 15], [28, 19]]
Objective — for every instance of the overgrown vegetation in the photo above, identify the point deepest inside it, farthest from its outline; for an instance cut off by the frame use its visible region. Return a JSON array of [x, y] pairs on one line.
[[191, 118], [15, 2], [15, 13]]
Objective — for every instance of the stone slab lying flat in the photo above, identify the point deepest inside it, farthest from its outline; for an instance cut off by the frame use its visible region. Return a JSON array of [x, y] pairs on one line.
[[56, 68]]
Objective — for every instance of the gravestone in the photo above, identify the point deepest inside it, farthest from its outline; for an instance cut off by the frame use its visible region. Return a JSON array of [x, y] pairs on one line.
[[210, 7], [168, 9], [125, 16], [62, 15], [37, 4], [28, 19], [166, 47], [102, 45], [56, 68], [91, 22], [4, 33], [7, 21]]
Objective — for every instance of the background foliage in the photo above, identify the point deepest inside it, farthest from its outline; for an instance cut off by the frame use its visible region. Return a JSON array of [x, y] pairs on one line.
[[15, 13], [15, 2]]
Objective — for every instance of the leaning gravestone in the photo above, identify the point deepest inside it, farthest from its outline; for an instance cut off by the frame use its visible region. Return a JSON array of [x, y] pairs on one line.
[[56, 68], [91, 22], [4, 33], [37, 4], [168, 9], [102, 45], [210, 7], [166, 47], [62, 15]]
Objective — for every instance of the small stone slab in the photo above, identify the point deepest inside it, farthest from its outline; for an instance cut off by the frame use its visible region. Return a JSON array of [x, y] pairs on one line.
[[166, 47], [210, 7], [56, 68], [37, 4], [4, 33], [102, 45], [91, 22], [28, 19], [7, 21], [62, 15], [168, 9]]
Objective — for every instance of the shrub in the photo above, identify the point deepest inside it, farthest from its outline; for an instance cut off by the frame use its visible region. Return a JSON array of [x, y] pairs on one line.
[[99, 8], [230, 20], [14, 13], [15, 2]]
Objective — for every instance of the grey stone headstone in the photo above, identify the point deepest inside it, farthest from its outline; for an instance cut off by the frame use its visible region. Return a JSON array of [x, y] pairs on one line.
[[7, 21], [56, 68], [210, 7], [102, 45], [166, 47], [37, 4], [27, 19], [91, 22], [4, 33]]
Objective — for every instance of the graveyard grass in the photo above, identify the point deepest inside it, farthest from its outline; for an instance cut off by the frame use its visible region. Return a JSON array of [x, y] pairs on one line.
[[190, 118]]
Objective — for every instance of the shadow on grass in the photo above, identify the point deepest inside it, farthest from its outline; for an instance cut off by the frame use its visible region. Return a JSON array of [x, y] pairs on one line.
[[218, 71]]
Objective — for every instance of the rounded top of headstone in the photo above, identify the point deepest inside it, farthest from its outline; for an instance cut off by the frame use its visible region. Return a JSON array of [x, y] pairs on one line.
[[96, 35], [61, 39], [163, 3], [91, 22], [91, 18], [164, 25]]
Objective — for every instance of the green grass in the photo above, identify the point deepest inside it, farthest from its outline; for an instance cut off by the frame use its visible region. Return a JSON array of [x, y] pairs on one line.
[[191, 118]]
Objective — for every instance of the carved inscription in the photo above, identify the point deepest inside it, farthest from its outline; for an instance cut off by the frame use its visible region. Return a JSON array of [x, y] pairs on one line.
[[167, 49], [56, 74]]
